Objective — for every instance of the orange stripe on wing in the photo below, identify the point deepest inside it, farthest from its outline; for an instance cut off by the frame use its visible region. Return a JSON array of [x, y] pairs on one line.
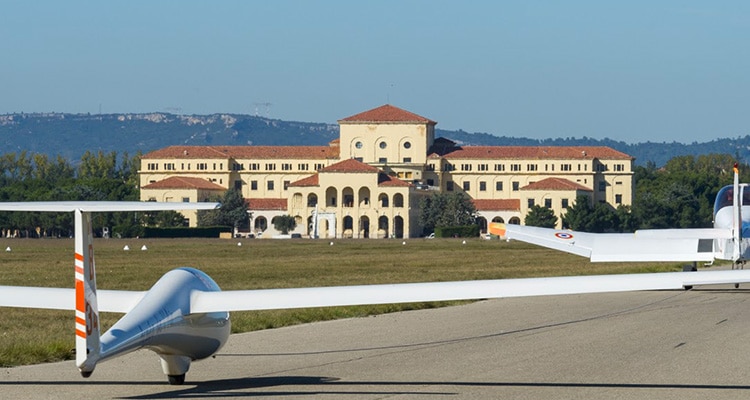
[[80, 333], [80, 297], [497, 228], [79, 257]]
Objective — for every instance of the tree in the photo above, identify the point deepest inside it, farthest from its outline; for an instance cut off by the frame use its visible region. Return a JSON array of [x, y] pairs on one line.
[[446, 209], [680, 195], [627, 221], [576, 218], [541, 216], [284, 223], [584, 217], [233, 212], [163, 219], [98, 166]]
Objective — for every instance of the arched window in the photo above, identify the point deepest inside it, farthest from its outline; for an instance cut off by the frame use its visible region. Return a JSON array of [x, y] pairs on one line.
[[398, 227], [364, 227], [348, 227], [297, 200], [398, 200], [347, 197], [331, 197], [312, 200], [383, 227], [482, 222], [363, 197], [383, 200], [260, 224]]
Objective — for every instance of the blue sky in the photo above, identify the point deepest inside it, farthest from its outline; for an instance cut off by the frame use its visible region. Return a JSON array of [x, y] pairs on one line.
[[632, 70]]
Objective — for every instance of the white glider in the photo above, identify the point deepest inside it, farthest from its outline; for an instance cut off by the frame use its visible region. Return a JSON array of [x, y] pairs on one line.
[[185, 317]]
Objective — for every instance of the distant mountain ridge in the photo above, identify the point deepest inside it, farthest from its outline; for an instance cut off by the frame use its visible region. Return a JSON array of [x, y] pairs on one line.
[[70, 135]]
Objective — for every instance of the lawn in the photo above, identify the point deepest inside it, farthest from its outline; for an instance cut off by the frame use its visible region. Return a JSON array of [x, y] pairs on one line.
[[34, 336]]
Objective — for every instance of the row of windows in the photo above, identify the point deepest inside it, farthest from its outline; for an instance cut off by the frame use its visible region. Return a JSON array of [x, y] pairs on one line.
[[515, 167], [285, 166], [466, 185], [382, 145], [236, 166], [448, 167], [564, 203], [348, 200], [615, 167], [270, 185], [384, 160], [170, 200], [183, 166]]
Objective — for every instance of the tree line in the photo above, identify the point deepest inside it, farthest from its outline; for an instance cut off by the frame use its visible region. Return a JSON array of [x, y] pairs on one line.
[[97, 176], [679, 195]]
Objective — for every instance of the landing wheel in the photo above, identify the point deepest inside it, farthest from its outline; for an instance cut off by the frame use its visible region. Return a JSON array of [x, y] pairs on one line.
[[176, 379], [86, 374], [736, 285]]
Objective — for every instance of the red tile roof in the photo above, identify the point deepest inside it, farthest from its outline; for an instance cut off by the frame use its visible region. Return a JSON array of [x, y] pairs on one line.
[[248, 152], [391, 181], [266, 204], [556, 184], [311, 180], [350, 166], [387, 113], [536, 152], [184, 182], [497, 205]]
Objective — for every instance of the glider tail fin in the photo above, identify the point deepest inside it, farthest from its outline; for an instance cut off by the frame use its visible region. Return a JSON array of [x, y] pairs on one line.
[[737, 216], [87, 312]]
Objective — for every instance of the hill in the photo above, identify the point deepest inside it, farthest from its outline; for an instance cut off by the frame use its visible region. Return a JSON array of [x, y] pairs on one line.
[[70, 135]]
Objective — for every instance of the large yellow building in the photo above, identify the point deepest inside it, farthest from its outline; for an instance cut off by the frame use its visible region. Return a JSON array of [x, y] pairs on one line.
[[367, 183]]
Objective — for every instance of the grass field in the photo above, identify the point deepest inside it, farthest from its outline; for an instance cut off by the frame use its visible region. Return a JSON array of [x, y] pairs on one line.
[[34, 336]]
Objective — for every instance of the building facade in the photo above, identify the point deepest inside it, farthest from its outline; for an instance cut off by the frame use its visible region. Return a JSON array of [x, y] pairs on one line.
[[367, 183]]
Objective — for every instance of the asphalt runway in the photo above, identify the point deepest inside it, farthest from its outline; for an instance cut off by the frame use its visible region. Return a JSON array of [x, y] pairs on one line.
[[665, 345]]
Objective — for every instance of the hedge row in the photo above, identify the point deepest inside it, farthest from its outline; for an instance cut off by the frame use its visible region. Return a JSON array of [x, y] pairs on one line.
[[203, 232], [457, 231]]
